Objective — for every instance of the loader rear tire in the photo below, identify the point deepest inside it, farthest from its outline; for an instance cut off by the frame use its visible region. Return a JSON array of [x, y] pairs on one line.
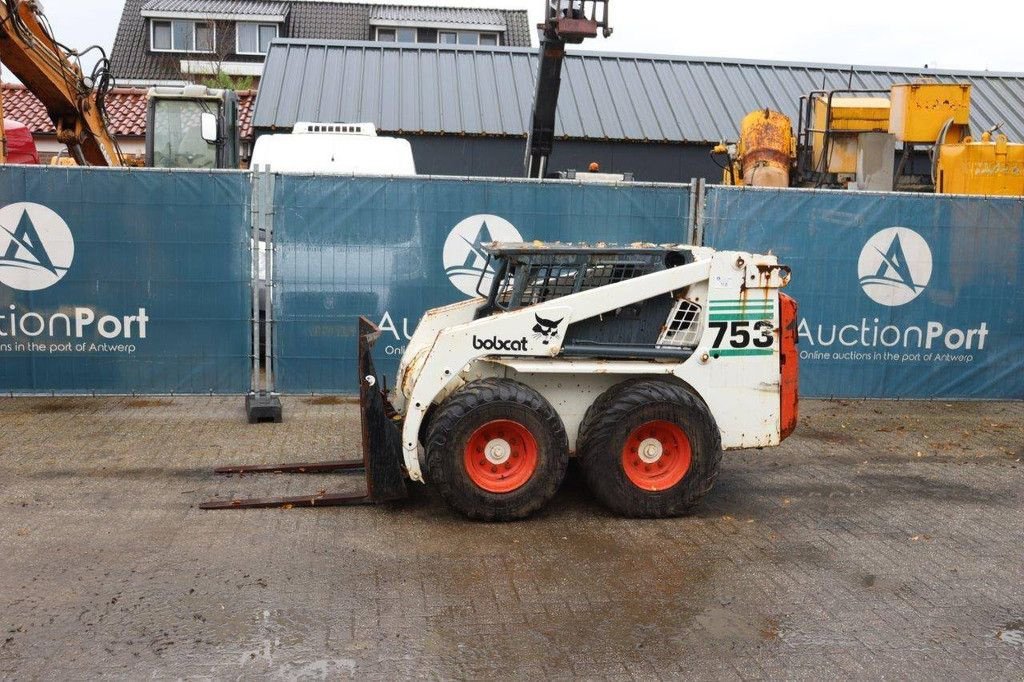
[[496, 450], [649, 449]]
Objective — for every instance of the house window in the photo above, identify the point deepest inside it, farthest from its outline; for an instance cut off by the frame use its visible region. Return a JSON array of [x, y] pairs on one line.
[[401, 35], [204, 38], [474, 38], [444, 37], [254, 38], [180, 35]]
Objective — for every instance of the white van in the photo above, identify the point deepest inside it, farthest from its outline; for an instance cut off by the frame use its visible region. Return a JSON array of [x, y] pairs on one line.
[[324, 149], [339, 148]]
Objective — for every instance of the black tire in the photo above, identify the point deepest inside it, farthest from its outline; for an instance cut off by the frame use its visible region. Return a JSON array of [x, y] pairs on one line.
[[616, 415], [462, 417]]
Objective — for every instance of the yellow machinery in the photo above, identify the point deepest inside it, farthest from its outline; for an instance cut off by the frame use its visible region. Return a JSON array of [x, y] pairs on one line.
[[922, 112], [938, 114], [765, 152], [991, 166], [842, 139], [847, 139], [838, 125]]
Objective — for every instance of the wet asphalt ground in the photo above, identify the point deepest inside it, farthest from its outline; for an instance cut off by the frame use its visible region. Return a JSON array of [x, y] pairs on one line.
[[882, 540]]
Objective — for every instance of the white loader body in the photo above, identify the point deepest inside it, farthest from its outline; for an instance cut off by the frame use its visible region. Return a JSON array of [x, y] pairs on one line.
[[727, 312], [643, 362]]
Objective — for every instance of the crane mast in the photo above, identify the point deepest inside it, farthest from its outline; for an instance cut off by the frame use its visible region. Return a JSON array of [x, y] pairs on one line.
[[565, 22], [74, 103]]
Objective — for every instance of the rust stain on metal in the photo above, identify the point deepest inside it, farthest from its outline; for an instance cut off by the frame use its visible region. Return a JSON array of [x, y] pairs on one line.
[[765, 278], [765, 146]]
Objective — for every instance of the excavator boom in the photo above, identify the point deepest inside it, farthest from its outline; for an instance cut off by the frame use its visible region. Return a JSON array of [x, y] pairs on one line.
[[29, 49]]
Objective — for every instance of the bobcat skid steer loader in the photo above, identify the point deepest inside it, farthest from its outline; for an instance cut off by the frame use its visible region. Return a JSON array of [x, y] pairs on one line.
[[645, 362]]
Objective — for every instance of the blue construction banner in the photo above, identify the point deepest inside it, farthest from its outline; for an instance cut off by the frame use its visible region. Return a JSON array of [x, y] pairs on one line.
[[901, 295], [124, 281], [390, 249]]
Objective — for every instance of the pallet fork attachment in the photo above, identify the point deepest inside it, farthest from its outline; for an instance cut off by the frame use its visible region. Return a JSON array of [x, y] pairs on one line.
[[382, 450]]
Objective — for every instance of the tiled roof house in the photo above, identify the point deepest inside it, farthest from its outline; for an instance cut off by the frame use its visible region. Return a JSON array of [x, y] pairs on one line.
[[170, 41]]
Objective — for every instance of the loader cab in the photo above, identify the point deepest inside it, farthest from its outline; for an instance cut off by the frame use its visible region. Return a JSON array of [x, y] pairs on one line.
[[192, 127], [527, 275]]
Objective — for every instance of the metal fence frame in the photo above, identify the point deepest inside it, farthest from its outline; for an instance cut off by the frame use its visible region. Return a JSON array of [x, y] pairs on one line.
[[263, 403], [697, 226], [69, 172], [677, 227]]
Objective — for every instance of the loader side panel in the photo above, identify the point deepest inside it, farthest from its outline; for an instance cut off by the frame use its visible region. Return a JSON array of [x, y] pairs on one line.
[[638, 325], [736, 365]]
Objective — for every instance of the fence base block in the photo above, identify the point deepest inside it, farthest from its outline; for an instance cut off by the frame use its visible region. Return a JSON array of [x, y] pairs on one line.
[[263, 407]]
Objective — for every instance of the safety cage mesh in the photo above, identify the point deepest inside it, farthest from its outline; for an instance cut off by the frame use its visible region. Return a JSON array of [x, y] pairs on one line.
[[684, 326], [527, 280]]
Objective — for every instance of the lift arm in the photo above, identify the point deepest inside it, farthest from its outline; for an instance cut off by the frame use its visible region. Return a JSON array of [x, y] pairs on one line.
[[29, 50], [565, 21]]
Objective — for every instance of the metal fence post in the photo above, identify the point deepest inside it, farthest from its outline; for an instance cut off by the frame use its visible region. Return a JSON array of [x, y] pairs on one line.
[[254, 278], [699, 204], [270, 355], [691, 216], [263, 403]]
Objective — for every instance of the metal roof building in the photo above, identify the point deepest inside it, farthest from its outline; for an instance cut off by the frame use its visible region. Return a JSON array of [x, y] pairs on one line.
[[424, 91]]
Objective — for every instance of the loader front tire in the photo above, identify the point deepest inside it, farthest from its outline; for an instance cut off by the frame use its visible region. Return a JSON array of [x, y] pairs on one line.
[[496, 450], [649, 449]]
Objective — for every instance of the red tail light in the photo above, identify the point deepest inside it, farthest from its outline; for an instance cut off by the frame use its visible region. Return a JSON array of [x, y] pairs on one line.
[[789, 394]]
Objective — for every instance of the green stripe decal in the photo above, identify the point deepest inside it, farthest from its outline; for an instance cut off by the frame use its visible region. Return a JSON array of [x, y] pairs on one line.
[[729, 317], [742, 301], [740, 352], [769, 311], [741, 308]]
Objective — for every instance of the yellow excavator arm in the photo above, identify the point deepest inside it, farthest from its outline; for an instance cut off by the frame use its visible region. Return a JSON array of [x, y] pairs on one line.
[[75, 104]]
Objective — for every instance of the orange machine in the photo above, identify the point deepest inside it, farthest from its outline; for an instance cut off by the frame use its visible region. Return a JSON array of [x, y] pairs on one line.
[[765, 151], [74, 103]]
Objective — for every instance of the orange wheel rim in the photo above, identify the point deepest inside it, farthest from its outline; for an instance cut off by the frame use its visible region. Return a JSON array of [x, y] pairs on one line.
[[501, 456], [656, 455]]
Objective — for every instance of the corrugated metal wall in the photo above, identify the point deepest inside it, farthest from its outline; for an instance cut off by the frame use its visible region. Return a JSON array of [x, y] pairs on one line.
[[497, 157]]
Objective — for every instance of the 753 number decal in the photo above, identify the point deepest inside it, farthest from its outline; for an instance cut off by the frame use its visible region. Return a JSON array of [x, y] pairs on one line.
[[743, 334]]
